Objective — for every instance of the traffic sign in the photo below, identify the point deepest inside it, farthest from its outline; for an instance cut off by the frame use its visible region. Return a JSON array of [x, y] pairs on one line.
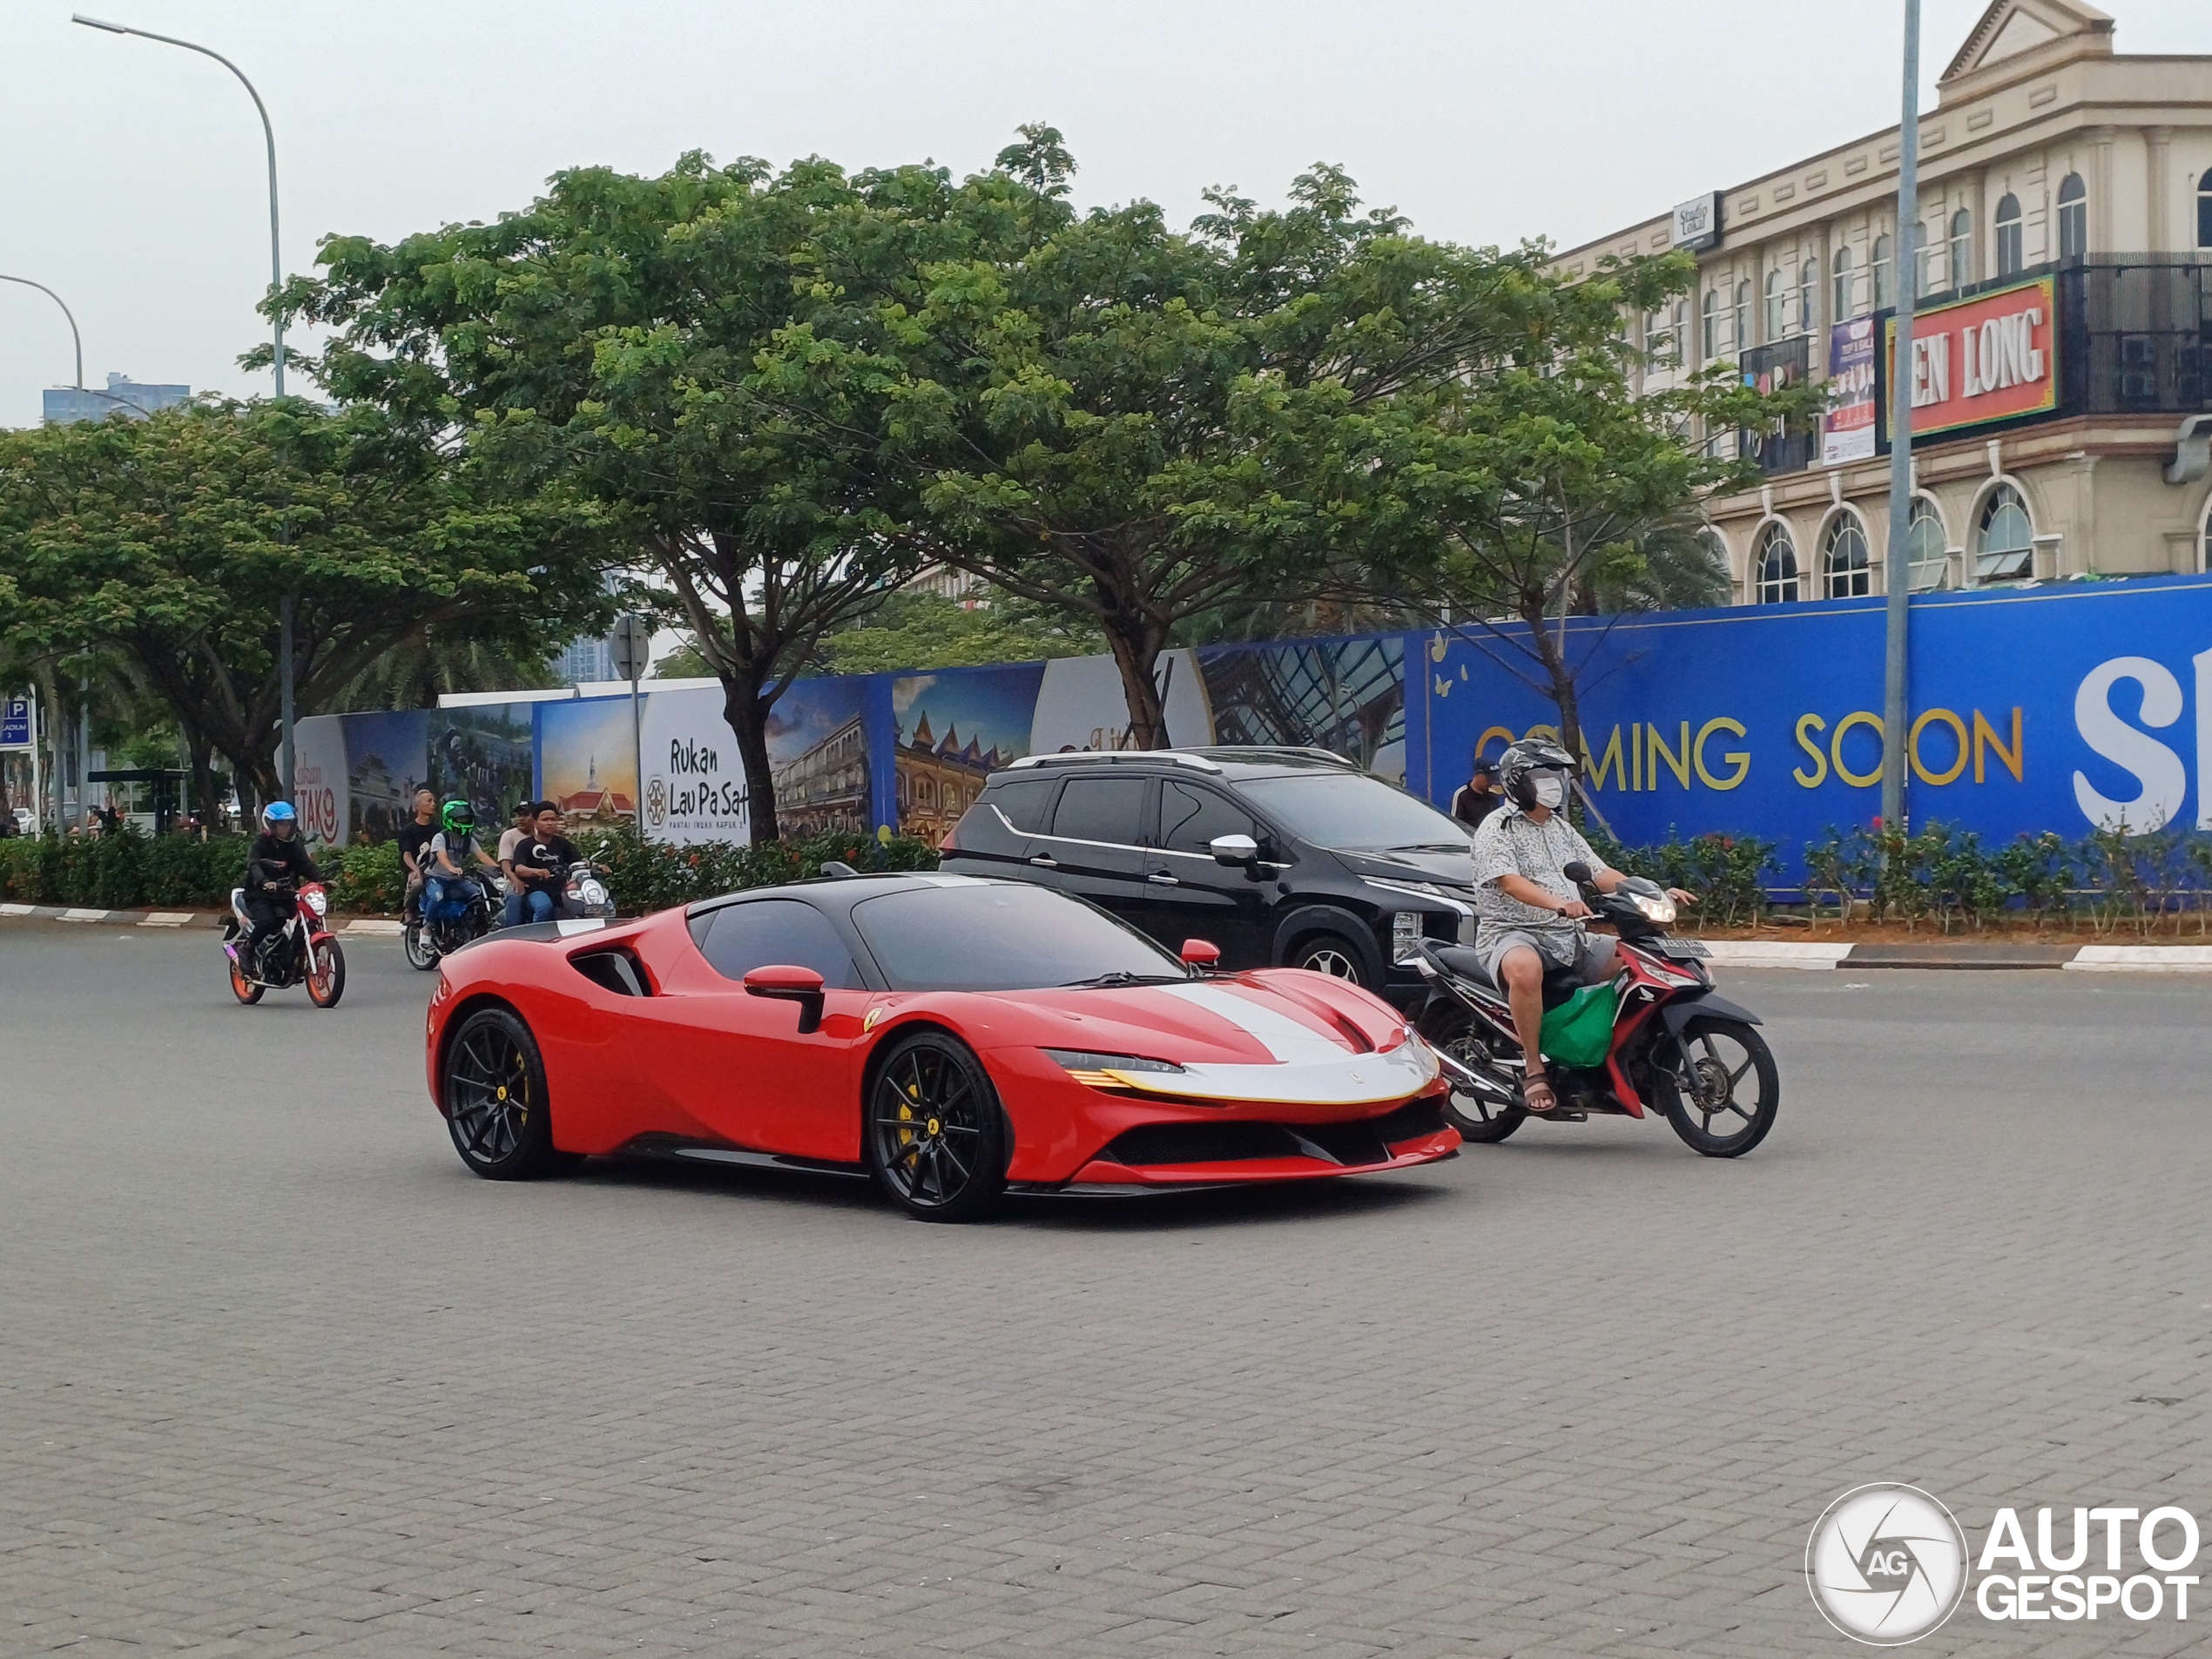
[[15, 723], [633, 647]]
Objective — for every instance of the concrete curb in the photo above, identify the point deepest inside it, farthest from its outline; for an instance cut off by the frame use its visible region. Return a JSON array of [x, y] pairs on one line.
[[2107, 959]]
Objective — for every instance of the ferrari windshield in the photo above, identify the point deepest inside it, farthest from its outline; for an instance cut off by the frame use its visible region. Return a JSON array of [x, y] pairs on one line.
[[1349, 809], [1003, 937]]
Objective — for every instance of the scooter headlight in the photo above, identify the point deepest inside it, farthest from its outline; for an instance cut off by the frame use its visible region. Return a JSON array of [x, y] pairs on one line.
[[1659, 909], [317, 902]]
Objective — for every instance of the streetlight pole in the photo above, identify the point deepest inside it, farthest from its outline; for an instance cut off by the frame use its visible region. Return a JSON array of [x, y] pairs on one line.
[[58, 300], [1897, 579], [276, 287]]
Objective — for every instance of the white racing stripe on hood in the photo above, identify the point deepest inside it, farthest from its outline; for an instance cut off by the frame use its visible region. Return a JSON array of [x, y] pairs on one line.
[[1292, 1043]]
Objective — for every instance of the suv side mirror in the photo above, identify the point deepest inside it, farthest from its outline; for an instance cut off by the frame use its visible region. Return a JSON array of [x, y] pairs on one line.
[[785, 983], [1236, 851]]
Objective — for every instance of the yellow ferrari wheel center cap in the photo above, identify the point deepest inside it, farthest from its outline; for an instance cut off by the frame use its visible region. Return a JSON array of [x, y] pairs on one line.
[[935, 1126], [503, 1091]]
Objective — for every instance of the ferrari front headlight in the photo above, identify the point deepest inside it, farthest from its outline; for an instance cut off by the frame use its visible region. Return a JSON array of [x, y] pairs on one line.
[[1085, 1060]]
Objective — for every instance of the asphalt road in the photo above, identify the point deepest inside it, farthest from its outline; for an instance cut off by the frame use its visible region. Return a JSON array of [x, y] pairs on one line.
[[277, 1376]]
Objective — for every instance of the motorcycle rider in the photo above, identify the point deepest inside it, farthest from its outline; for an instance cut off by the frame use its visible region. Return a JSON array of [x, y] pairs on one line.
[[541, 862], [275, 865], [450, 851], [415, 841], [1529, 911]]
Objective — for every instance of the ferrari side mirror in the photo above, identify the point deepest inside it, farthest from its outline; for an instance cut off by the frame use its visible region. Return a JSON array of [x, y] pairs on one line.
[[1201, 954], [785, 983], [1234, 850]]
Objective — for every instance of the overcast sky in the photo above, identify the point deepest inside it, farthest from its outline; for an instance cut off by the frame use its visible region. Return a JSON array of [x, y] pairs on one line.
[[134, 176]]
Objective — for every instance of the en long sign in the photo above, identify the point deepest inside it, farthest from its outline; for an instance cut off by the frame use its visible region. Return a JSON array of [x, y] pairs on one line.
[[1990, 358]]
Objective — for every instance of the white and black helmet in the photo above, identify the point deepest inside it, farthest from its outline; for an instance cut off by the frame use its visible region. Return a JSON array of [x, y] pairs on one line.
[[1518, 766]]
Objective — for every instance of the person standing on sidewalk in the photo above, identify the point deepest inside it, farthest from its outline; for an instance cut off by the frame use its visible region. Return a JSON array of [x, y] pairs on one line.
[[1477, 798]]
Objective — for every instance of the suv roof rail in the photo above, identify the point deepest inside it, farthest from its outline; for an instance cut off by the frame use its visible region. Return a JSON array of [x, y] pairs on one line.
[[1106, 757], [1303, 751]]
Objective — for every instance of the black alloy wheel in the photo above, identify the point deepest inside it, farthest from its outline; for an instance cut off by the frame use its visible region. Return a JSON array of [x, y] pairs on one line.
[[1480, 1120], [494, 1099], [1718, 1086], [1333, 954], [936, 1139]]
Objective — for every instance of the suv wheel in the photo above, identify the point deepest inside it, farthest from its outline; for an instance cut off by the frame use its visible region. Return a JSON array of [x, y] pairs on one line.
[[1330, 954]]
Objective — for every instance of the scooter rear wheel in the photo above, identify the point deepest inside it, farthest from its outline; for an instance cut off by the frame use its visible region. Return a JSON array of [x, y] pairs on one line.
[[1482, 1121], [1724, 1091]]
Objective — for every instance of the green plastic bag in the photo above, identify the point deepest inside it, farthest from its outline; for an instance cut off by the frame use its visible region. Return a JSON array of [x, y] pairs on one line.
[[1579, 1032]]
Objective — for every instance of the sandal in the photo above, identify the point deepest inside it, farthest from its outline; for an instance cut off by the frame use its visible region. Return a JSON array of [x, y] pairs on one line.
[[1536, 1096]]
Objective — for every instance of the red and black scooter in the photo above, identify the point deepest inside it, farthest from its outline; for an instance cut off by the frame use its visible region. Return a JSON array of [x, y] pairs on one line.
[[302, 953], [1676, 1047]]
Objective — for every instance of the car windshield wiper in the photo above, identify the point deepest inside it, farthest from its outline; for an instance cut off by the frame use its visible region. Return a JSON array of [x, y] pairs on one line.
[[1119, 977]]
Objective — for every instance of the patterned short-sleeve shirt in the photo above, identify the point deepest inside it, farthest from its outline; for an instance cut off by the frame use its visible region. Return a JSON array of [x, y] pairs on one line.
[[1512, 843]]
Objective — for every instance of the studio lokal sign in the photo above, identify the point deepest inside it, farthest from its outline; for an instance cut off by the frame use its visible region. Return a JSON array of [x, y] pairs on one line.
[[1993, 357], [1698, 223]]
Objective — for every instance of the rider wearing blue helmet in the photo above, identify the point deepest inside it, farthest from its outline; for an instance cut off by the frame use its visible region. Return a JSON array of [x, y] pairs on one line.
[[275, 868]]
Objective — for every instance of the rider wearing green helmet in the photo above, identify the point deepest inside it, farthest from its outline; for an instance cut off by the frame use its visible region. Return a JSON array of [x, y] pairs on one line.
[[450, 851]]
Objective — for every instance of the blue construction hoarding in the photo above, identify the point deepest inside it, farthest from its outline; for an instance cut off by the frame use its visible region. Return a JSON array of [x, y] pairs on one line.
[[2063, 708]]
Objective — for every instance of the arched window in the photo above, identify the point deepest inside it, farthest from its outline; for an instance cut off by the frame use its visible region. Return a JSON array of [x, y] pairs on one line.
[[1774, 293], [2008, 235], [1777, 564], [1845, 306], [2004, 540], [1843, 561], [2074, 218], [1712, 325], [1962, 248], [1678, 341], [1808, 292], [2204, 209], [1715, 549], [1928, 563], [1883, 299]]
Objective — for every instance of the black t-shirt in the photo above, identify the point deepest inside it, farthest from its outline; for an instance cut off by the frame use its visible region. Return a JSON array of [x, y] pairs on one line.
[[412, 838], [1470, 808], [552, 856]]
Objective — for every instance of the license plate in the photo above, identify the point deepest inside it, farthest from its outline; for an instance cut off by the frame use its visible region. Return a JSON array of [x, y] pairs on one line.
[[1689, 949]]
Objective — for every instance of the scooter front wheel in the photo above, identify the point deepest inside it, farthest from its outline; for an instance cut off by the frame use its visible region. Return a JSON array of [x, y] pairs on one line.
[[1480, 1119], [1722, 1090]]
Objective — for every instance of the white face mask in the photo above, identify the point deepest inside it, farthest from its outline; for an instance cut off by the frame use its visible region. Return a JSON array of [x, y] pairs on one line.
[[1549, 790]]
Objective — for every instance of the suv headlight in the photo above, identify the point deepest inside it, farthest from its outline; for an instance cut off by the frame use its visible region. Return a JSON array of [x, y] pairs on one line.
[[1660, 909]]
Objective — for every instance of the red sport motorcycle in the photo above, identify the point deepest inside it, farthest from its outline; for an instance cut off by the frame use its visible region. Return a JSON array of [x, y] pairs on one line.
[[302, 952], [1675, 1046]]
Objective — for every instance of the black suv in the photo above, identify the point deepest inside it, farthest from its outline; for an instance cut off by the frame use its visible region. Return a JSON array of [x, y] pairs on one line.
[[1278, 856]]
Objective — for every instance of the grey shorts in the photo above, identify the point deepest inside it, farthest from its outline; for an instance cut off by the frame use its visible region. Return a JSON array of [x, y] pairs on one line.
[[1591, 955]]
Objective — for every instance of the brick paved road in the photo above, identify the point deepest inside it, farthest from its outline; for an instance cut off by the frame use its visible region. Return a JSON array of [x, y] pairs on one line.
[[277, 1376]]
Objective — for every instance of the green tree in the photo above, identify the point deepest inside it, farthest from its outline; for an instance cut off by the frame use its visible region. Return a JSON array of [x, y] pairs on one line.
[[1141, 427], [707, 354], [1542, 484], [170, 543]]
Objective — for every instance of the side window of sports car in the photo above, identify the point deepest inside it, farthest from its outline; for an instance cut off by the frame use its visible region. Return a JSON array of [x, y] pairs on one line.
[[742, 937], [1190, 817], [1027, 802], [1103, 809]]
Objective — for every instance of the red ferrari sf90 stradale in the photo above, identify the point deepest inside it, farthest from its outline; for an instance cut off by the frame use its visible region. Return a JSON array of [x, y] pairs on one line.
[[954, 1037]]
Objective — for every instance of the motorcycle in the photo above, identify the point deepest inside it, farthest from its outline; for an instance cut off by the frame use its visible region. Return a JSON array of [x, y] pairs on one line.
[[431, 934], [1675, 1045], [302, 953], [584, 893]]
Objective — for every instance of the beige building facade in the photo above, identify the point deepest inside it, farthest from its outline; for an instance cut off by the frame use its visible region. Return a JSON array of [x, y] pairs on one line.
[[2063, 396]]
